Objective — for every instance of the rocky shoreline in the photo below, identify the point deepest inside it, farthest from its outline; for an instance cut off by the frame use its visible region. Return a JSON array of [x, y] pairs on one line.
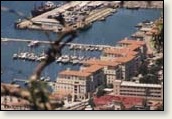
[[142, 4]]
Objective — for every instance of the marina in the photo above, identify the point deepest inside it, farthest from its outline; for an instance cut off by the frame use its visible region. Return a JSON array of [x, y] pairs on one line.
[[101, 34], [104, 66]]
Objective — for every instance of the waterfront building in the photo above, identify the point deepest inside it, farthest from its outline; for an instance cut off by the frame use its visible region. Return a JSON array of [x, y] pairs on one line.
[[134, 89], [129, 60], [134, 45], [74, 83], [111, 69], [97, 74], [129, 54], [79, 84]]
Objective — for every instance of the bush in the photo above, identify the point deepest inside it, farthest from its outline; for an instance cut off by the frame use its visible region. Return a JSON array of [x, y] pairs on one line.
[[149, 79], [100, 92], [110, 86]]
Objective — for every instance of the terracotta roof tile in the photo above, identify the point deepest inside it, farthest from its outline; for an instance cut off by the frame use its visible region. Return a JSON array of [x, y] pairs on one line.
[[92, 68], [100, 62], [127, 101], [130, 42], [74, 73], [133, 47], [124, 59], [120, 51]]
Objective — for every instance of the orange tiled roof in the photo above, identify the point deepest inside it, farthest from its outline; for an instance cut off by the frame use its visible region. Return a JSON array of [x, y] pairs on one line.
[[122, 51], [127, 101], [133, 47], [92, 68], [101, 62], [130, 42], [124, 59], [74, 73]]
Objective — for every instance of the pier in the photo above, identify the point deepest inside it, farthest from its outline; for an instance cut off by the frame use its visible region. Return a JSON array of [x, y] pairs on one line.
[[77, 14], [72, 46], [26, 81]]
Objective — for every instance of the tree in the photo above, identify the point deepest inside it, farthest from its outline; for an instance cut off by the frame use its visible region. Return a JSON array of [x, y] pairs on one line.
[[100, 92], [143, 69], [149, 79], [153, 69], [160, 61], [158, 38], [110, 85]]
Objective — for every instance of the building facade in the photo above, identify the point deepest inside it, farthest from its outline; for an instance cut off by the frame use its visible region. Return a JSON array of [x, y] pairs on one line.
[[79, 84], [111, 69], [147, 91], [97, 74], [129, 54], [135, 45], [74, 83]]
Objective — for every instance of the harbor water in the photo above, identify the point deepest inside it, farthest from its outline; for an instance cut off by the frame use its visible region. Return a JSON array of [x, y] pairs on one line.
[[108, 32]]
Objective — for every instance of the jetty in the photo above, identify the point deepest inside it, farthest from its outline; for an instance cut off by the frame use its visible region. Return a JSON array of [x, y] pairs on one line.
[[72, 46]]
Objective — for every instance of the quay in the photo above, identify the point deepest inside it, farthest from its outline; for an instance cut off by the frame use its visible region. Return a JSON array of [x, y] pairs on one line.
[[77, 15], [22, 40]]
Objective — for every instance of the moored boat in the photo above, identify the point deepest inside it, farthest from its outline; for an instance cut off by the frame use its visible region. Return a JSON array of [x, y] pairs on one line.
[[48, 6]]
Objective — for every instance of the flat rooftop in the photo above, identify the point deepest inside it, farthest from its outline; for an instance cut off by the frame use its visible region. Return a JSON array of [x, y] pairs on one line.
[[134, 84]]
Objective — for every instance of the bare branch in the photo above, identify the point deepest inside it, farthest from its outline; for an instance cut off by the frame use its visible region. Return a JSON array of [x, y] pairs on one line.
[[37, 93]]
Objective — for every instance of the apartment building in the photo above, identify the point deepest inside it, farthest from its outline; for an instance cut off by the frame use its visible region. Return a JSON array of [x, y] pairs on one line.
[[74, 83], [149, 91], [111, 69], [130, 60], [80, 84], [134, 45], [128, 53], [117, 52], [97, 74], [129, 66]]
